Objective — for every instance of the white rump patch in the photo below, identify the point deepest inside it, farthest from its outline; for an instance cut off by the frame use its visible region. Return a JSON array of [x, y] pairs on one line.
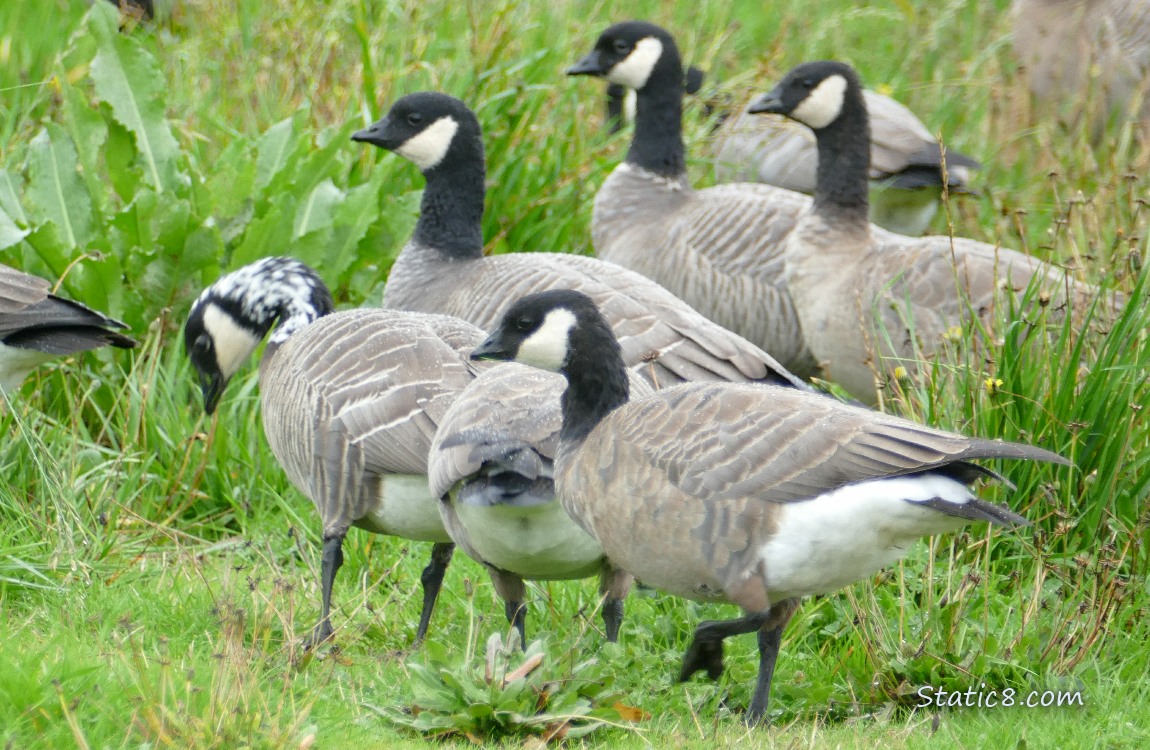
[[823, 105], [547, 347], [404, 508], [233, 343], [16, 363], [427, 148], [634, 69], [535, 542], [844, 536]]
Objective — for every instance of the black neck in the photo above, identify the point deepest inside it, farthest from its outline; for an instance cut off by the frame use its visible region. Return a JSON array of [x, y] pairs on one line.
[[657, 145], [596, 381], [451, 214], [843, 179]]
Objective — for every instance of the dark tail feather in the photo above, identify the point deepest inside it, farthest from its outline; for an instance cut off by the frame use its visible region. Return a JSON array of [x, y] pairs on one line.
[[975, 510]]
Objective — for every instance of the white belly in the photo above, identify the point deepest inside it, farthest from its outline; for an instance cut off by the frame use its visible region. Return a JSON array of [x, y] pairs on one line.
[[844, 536], [405, 509], [534, 542]]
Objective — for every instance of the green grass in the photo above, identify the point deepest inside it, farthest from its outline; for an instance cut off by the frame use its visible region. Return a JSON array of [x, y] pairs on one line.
[[156, 568]]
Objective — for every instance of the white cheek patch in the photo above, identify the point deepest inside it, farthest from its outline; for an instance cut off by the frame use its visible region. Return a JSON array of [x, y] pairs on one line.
[[823, 105], [233, 343], [634, 69], [547, 347], [428, 147]]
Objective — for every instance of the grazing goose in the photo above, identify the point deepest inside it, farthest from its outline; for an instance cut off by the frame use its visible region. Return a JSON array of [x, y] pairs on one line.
[[861, 291], [442, 268], [750, 494], [36, 325], [350, 402], [906, 162], [491, 467], [1092, 54], [719, 249]]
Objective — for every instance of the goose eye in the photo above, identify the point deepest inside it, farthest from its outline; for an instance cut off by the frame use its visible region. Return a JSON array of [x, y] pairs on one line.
[[807, 84], [523, 324], [622, 47], [414, 118], [202, 344]]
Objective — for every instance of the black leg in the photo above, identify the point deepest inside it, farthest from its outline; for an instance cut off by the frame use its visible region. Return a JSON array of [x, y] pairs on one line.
[[432, 579], [330, 564], [512, 591], [612, 618], [516, 612], [614, 585], [770, 636], [706, 649]]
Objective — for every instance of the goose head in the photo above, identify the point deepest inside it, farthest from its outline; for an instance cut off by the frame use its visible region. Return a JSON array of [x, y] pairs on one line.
[[428, 129], [814, 94], [630, 53], [551, 330], [231, 317]]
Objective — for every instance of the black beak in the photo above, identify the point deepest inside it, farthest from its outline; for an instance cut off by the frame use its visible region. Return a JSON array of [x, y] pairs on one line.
[[212, 384], [588, 66], [492, 348], [376, 134], [769, 103]]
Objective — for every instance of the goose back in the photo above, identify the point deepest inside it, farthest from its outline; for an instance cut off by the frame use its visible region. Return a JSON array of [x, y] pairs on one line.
[[719, 249], [663, 339], [712, 468], [352, 402]]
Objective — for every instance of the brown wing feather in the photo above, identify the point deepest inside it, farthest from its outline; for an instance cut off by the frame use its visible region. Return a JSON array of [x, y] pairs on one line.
[[358, 395]]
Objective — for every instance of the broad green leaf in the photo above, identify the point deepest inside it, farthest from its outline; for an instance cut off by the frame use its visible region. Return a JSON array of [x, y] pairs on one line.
[[268, 234], [128, 78], [353, 217], [330, 158], [89, 133], [120, 161], [98, 280], [55, 189], [10, 233], [48, 242], [10, 187], [132, 225], [228, 190], [317, 209], [274, 149]]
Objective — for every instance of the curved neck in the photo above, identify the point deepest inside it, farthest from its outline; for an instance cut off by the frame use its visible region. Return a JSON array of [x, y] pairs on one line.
[[451, 213], [657, 145], [596, 383], [292, 315], [843, 177]]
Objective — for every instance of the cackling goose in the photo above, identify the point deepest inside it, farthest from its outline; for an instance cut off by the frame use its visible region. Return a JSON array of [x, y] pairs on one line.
[[350, 402], [861, 291], [442, 268], [750, 494], [719, 249], [906, 162], [491, 467], [36, 325]]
